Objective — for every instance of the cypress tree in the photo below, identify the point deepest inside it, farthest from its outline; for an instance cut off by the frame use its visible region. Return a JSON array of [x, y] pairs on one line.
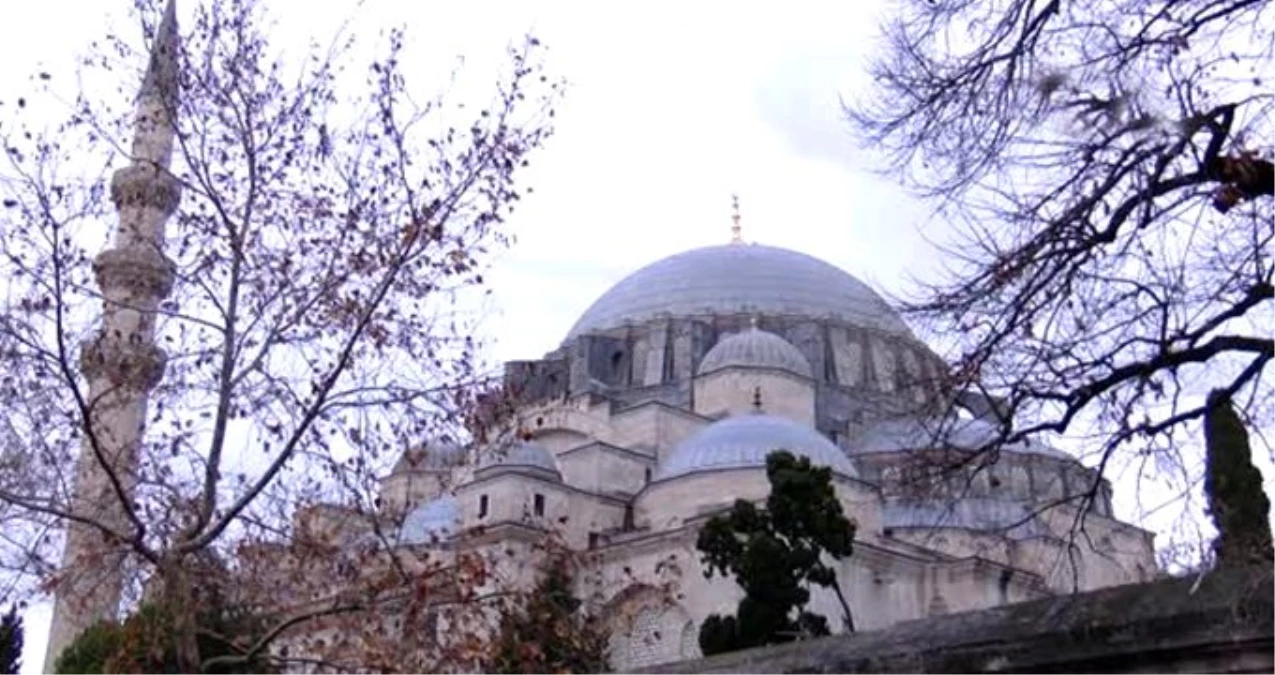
[[1233, 487], [11, 641]]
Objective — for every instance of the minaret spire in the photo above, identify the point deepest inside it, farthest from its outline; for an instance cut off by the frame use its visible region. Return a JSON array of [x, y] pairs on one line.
[[122, 363], [736, 231], [157, 101]]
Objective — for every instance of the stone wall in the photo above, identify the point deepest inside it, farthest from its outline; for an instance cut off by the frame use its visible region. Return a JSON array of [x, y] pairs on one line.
[[1220, 623], [859, 372]]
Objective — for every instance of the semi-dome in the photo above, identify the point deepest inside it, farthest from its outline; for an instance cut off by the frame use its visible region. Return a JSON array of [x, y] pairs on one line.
[[908, 434], [523, 455], [1016, 518], [744, 441], [755, 348], [431, 521], [739, 279]]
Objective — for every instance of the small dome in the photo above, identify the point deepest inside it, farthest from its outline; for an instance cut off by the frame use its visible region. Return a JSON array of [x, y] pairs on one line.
[[904, 435], [756, 348], [744, 441], [431, 521], [430, 457], [523, 455]]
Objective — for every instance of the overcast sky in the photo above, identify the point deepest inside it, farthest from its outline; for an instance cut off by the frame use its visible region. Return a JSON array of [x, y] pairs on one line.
[[672, 107]]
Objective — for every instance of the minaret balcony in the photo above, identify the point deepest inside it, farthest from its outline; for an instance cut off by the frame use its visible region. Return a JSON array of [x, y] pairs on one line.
[[139, 270], [123, 361], [146, 185]]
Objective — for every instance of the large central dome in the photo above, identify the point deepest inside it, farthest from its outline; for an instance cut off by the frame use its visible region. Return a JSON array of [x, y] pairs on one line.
[[739, 279]]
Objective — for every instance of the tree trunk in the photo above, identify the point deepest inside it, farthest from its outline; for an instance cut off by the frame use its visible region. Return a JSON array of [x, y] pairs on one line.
[[846, 618], [179, 604]]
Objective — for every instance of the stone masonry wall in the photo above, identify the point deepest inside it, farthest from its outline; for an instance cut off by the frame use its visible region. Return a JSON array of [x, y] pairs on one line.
[[1218, 623]]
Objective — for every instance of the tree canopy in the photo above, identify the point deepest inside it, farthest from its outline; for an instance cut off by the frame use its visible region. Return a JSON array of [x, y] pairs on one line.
[[775, 554], [149, 642], [1105, 170], [547, 629], [328, 218]]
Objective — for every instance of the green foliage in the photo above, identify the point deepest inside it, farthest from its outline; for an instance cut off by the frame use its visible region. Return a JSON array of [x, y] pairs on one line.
[[11, 641], [549, 633], [146, 643], [92, 651], [775, 554], [1233, 487]]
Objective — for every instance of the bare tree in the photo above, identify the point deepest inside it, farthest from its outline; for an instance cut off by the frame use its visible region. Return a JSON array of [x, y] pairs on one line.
[[328, 228], [1107, 169]]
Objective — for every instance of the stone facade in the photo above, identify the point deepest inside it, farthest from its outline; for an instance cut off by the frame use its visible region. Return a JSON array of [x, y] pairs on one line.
[[630, 444]]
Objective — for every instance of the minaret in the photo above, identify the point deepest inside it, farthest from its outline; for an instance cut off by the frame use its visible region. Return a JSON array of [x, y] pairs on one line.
[[122, 363]]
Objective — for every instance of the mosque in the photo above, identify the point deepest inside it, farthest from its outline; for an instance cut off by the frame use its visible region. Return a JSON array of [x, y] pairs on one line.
[[658, 410]]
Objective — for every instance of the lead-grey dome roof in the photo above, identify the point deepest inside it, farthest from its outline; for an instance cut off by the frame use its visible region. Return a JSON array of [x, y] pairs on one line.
[[739, 279], [756, 348], [523, 455], [431, 521], [1014, 517], [907, 434], [744, 441]]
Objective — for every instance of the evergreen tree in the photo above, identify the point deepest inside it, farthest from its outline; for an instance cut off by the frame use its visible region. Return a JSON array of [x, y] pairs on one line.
[[146, 642], [11, 641], [92, 650], [1233, 487], [775, 554], [549, 633]]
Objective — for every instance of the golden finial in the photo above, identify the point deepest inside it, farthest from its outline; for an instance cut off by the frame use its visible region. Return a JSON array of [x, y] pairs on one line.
[[736, 232]]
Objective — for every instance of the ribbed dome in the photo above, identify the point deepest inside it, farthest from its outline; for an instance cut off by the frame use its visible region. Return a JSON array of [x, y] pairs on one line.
[[431, 521], [744, 441], [739, 279], [903, 435], [757, 349], [523, 455], [430, 457]]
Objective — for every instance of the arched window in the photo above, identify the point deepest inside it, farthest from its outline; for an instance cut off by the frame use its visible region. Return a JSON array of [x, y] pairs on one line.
[[690, 641]]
